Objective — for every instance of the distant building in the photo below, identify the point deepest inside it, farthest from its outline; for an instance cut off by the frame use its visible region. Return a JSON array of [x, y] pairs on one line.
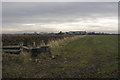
[[77, 32], [35, 33], [43, 33]]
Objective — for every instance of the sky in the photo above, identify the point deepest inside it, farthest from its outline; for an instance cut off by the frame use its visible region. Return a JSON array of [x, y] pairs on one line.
[[19, 17]]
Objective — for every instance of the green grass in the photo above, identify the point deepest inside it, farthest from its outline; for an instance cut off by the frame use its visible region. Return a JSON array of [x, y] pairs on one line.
[[97, 52], [94, 56]]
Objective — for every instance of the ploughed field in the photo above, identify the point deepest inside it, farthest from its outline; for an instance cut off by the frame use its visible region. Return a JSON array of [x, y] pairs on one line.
[[93, 56], [28, 39]]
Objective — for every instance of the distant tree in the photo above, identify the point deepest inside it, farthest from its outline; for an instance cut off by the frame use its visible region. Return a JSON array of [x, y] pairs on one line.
[[60, 32]]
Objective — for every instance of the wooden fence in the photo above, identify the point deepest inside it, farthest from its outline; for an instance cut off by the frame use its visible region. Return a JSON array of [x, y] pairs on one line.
[[13, 49], [17, 49]]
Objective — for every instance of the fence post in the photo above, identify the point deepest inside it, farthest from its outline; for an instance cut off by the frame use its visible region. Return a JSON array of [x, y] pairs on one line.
[[43, 44], [34, 45], [40, 44], [21, 47], [1, 45]]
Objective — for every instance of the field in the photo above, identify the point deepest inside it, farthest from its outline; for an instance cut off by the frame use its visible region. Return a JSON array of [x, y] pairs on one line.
[[92, 56], [28, 39]]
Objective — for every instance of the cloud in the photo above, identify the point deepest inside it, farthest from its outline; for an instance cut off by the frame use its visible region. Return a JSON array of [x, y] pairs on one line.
[[53, 14]]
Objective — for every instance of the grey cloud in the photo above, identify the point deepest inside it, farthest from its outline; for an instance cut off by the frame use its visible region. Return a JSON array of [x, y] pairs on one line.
[[63, 12], [26, 10]]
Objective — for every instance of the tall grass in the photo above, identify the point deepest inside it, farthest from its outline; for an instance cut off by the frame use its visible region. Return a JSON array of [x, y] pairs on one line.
[[24, 65], [59, 42], [55, 44]]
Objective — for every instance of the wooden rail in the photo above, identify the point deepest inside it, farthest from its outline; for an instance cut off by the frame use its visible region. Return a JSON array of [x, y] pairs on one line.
[[11, 46], [12, 51], [17, 49]]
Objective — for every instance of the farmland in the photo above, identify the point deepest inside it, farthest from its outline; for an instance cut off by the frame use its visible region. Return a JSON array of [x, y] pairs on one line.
[[91, 56], [28, 39]]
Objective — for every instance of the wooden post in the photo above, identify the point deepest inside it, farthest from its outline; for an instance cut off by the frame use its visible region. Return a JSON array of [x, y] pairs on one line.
[[34, 45], [43, 44], [21, 47], [1, 45]]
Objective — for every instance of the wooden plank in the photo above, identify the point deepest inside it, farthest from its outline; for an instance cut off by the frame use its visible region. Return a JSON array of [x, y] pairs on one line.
[[11, 50], [11, 46], [25, 47]]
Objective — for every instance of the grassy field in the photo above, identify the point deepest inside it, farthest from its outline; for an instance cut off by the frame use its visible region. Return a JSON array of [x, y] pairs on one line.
[[94, 56]]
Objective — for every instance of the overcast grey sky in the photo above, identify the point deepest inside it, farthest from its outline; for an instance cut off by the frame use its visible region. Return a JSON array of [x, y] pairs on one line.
[[59, 16]]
